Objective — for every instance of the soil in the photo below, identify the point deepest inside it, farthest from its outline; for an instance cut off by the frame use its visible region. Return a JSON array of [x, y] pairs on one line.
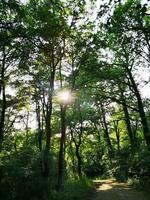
[[113, 190]]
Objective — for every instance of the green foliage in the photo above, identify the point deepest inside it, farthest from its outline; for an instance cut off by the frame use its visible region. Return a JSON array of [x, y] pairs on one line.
[[21, 176], [19, 173], [50, 45], [73, 190]]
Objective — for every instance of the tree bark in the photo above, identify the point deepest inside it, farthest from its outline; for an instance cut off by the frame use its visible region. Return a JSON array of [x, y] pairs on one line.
[[78, 143], [79, 161], [117, 134], [110, 149], [62, 148], [39, 130], [2, 118], [48, 115], [127, 118], [141, 109]]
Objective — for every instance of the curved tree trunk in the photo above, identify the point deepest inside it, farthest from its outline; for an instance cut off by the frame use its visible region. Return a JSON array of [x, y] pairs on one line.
[[141, 109]]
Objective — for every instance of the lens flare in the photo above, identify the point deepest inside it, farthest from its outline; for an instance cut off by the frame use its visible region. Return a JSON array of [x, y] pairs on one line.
[[64, 97]]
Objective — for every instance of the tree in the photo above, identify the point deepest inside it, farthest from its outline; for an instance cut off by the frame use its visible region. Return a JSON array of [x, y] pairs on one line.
[[127, 48], [11, 28]]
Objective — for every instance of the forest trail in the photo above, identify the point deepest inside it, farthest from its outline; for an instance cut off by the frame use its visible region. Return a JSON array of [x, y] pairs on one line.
[[113, 190]]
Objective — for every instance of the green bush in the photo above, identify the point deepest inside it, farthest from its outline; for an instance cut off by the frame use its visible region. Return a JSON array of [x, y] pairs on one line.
[[21, 179], [73, 190]]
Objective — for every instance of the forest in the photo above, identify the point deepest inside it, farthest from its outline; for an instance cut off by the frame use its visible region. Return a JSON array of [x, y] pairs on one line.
[[74, 96]]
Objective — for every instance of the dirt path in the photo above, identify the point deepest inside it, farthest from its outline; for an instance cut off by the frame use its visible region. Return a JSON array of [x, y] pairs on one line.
[[112, 190]]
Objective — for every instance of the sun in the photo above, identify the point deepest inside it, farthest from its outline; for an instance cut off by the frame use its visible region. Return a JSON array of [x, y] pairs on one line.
[[64, 96]]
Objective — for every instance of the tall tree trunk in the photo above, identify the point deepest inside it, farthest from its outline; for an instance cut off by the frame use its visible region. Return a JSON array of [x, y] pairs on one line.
[[78, 143], [3, 110], [46, 160], [135, 131], [49, 105], [79, 161], [2, 120], [127, 120], [126, 116], [104, 123], [61, 158], [27, 129], [39, 129], [141, 109], [62, 148], [117, 134], [72, 156], [128, 124], [48, 127], [48, 116]]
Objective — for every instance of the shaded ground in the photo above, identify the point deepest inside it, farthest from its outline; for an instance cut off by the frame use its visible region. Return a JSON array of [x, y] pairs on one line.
[[112, 190]]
